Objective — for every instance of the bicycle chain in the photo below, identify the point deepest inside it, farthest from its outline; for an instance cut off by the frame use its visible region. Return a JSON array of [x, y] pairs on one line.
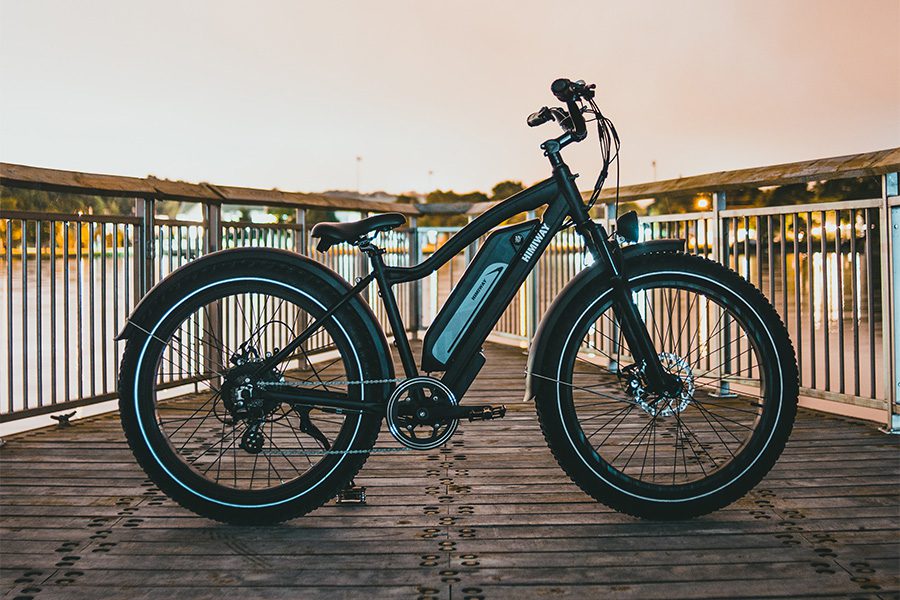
[[267, 384], [296, 384], [327, 452]]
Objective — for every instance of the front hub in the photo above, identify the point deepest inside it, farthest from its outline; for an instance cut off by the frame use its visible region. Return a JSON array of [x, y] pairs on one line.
[[671, 402]]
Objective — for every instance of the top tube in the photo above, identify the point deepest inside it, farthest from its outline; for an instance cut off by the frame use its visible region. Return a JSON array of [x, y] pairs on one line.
[[540, 194]]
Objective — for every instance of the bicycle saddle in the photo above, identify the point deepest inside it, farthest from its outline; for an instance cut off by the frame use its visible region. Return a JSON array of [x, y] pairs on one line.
[[330, 234]]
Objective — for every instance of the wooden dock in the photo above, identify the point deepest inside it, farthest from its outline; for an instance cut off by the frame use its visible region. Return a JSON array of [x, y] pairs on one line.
[[489, 516]]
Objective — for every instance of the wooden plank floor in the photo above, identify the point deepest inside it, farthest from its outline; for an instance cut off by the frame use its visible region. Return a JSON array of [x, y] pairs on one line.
[[489, 516]]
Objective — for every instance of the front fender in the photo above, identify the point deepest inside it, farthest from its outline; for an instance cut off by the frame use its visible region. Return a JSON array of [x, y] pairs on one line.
[[596, 277]]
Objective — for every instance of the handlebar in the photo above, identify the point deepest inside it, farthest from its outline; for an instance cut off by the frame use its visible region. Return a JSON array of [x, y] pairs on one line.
[[572, 120]]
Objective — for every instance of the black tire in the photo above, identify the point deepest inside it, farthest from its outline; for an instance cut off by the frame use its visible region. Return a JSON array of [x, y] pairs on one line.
[[191, 464], [719, 447]]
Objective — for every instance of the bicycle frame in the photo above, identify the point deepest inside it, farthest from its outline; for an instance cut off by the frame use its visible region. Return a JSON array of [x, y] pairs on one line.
[[562, 200]]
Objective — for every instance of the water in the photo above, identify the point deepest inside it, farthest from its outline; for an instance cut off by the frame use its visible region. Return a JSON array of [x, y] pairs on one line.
[[71, 352]]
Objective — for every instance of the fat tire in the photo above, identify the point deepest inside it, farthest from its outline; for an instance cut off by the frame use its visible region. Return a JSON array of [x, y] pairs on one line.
[[572, 460], [167, 296]]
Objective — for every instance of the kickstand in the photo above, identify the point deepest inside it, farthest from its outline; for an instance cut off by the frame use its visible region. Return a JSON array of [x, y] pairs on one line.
[[352, 494]]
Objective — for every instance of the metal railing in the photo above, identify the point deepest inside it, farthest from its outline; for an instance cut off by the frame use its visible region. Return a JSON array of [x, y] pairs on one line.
[[71, 279]]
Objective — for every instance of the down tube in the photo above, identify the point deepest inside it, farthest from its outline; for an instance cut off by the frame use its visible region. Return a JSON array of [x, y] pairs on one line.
[[466, 359]]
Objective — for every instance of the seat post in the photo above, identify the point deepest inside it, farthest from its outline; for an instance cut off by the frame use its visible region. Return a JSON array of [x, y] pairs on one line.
[[390, 304]]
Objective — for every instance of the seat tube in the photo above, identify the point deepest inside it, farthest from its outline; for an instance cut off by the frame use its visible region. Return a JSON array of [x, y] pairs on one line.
[[393, 312]]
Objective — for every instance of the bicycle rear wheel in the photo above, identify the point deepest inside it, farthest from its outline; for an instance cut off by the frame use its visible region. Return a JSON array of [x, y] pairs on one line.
[[198, 426]]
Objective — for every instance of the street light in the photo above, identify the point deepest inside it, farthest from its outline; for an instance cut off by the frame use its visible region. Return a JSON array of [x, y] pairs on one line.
[[358, 163]]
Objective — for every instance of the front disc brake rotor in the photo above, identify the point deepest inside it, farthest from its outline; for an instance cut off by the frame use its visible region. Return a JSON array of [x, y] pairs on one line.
[[667, 405]]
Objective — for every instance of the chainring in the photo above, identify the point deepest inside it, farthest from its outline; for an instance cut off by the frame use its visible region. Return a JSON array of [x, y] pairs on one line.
[[409, 417]]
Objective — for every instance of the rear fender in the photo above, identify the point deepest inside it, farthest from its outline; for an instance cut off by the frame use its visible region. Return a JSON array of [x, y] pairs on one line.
[[138, 322]]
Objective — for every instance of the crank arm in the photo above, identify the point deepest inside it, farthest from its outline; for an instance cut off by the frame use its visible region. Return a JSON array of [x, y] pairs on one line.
[[334, 401], [484, 412]]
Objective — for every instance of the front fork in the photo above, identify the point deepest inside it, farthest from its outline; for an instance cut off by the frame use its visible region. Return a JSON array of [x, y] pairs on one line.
[[634, 329], [608, 253]]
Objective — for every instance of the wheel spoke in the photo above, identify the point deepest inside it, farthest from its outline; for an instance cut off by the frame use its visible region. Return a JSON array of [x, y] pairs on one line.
[[667, 440], [215, 431]]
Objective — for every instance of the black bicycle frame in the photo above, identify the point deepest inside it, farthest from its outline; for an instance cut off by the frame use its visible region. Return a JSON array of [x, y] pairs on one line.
[[562, 199]]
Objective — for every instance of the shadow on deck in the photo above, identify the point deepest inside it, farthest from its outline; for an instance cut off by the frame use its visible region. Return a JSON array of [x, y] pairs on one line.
[[490, 516]]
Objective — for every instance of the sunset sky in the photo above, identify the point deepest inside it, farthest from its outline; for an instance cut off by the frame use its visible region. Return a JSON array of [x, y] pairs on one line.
[[287, 94]]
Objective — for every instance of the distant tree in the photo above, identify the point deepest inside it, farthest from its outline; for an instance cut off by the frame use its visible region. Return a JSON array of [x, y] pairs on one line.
[[15, 198], [283, 214], [442, 197], [505, 189], [407, 199], [857, 188], [449, 197], [319, 215]]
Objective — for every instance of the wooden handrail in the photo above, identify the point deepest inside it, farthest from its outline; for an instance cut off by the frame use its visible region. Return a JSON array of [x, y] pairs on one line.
[[164, 189], [853, 165], [838, 167]]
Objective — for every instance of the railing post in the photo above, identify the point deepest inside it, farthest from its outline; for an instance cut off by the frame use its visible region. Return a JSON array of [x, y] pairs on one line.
[[471, 249], [300, 239], [362, 266], [415, 287], [890, 296], [474, 246], [213, 332], [301, 246], [144, 253], [718, 206], [721, 254], [610, 215], [212, 217]]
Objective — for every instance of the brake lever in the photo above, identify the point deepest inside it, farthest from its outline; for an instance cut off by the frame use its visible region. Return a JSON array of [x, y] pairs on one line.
[[584, 90], [540, 117]]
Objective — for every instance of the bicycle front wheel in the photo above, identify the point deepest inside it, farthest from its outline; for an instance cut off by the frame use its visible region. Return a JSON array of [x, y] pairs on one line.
[[681, 454]]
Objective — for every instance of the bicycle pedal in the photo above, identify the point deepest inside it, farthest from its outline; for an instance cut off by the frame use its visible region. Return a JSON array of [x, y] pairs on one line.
[[352, 494], [487, 413]]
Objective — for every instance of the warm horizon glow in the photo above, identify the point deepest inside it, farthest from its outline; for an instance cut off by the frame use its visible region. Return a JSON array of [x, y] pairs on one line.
[[411, 96]]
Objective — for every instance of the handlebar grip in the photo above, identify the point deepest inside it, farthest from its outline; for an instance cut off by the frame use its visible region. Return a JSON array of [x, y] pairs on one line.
[[562, 89]]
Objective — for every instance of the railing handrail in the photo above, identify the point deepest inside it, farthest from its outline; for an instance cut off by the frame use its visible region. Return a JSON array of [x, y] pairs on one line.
[[838, 167], [72, 217], [163, 189]]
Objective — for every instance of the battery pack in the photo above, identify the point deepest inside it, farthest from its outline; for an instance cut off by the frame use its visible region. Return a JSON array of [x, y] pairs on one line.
[[469, 297]]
